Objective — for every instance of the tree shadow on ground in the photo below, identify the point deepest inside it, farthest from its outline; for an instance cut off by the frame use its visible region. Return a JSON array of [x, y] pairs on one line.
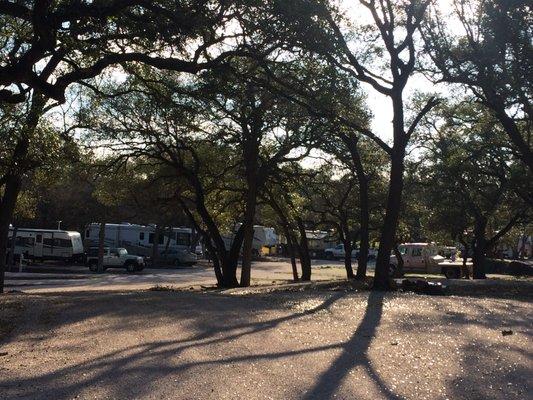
[[114, 370], [223, 331], [354, 353]]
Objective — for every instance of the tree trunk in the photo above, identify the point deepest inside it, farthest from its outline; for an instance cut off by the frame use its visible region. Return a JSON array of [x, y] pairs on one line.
[[398, 272], [465, 272], [155, 246], [479, 248], [364, 216], [13, 178], [348, 258], [230, 260], [251, 160], [344, 236], [365, 228], [303, 249], [290, 245], [388, 232], [169, 236], [101, 245], [249, 215], [11, 258], [226, 264], [7, 208], [216, 261]]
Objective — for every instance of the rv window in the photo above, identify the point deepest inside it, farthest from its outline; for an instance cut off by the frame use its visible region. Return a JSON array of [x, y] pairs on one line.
[[48, 242], [183, 239], [39, 238], [141, 235], [87, 233], [23, 241], [151, 238], [417, 252]]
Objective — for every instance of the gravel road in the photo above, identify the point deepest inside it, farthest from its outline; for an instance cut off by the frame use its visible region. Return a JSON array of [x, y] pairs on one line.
[[305, 345]]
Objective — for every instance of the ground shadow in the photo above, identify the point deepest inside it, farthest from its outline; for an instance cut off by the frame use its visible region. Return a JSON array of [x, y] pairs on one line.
[[149, 359], [354, 353]]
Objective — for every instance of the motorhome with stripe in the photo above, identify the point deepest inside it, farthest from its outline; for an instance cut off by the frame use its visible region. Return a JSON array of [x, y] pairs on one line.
[[139, 239]]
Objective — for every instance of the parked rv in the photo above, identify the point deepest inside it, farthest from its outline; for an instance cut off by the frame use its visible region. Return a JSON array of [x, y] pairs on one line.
[[46, 244], [139, 239], [115, 258], [265, 240]]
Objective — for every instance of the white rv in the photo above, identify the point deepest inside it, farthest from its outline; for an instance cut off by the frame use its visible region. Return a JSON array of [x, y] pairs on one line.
[[139, 239], [46, 244], [263, 237]]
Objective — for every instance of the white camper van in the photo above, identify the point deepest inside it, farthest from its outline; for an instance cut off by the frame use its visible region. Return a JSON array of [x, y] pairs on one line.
[[46, 244], [139, 239]]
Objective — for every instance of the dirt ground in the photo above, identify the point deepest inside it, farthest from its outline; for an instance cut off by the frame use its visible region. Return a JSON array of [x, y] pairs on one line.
[[315, 344]]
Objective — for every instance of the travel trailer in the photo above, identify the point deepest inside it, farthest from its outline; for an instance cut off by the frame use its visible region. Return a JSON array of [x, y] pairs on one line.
[[46, 244], [139, 239], [265, 240]]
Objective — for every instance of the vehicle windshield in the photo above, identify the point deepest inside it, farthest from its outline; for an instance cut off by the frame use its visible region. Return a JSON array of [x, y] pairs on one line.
[[122, 252]]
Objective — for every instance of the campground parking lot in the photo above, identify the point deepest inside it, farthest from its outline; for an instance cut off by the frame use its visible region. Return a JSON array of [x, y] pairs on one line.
[[60, 277]]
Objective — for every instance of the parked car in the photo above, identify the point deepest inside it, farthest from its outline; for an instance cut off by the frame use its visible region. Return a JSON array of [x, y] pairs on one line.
[[424, 258], [177, 257], [338, 252], [115, 258]]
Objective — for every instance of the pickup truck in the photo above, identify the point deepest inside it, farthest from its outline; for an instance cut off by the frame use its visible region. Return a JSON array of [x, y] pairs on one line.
[[424, 258], [338, 252], [115, 258]]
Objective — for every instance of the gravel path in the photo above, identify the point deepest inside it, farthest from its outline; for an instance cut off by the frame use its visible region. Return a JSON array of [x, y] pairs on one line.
[[305, 345]]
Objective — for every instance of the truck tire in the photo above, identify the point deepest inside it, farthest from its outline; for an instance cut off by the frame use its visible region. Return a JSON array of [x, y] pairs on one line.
[[452, 273], [93, 265], [131, 267]]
